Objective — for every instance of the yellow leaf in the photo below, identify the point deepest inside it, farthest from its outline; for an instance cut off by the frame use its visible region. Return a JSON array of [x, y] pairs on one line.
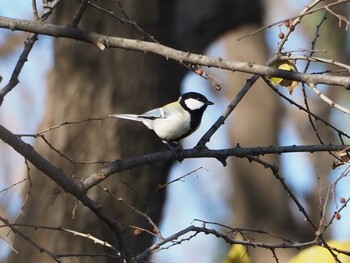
[[322, 255], [289, 66], [237, 254]]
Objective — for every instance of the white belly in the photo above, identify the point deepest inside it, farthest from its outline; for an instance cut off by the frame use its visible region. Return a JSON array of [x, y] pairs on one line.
[[172, 128]]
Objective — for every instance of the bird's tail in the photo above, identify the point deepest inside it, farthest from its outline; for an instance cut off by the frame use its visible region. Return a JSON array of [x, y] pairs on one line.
[[132, 117]]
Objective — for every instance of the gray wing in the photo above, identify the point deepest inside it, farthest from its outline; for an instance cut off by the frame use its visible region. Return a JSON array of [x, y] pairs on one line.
[[153, 114], [161, 113]]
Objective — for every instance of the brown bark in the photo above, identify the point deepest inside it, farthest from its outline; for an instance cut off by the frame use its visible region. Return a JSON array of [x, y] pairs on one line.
[[258, 200], [86, 82]]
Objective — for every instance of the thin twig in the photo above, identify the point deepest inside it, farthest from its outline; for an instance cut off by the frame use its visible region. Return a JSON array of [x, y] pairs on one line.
[[229, 109], [137, 211], [28, 45], [208, 231], [340, 17], [328, 100], [18, 68], [70, 123], [316, 117], [179, 178], [79, 15], [70, 186], [29, 240], [298, 16], [35, 10]]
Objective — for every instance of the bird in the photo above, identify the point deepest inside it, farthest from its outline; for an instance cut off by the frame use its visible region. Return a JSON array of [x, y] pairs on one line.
[[174, 121]]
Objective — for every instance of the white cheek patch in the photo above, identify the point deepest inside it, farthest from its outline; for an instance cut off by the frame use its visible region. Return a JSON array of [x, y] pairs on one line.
[[194, 104]]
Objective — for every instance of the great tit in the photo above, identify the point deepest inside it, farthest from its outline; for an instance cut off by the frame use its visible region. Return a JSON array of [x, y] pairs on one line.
[[175, 120]]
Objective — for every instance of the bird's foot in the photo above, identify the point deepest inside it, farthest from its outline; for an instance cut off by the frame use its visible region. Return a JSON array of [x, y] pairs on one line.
[[176, 149]]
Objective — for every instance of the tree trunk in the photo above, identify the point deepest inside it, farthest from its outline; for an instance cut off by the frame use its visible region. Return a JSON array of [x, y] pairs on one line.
[[258, 201], [85, 83]]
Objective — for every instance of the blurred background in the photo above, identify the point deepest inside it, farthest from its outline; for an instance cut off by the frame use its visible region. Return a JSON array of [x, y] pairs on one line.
[[240, 195]]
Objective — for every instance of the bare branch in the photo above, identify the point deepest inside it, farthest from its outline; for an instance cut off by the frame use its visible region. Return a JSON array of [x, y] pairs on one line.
[[27, 48], [209, 231], [65, 182], [328, 100], [199, 152], [137, 211], [302, 14], [340, 17], [311, 114], [89, 236], [22, 59], [30, 241], [221, 120], [35, 10], [79, 15], [102, 42]]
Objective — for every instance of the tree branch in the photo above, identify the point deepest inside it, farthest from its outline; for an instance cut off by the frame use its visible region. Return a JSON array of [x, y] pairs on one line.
[[68, 185], [102, 42], [119, 166], [28, 152], [28, 45], [29, 240], [209, 231], [229, 109]]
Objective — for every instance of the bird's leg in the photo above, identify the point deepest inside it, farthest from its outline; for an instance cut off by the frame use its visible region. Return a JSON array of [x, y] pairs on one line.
[[176, 149]]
